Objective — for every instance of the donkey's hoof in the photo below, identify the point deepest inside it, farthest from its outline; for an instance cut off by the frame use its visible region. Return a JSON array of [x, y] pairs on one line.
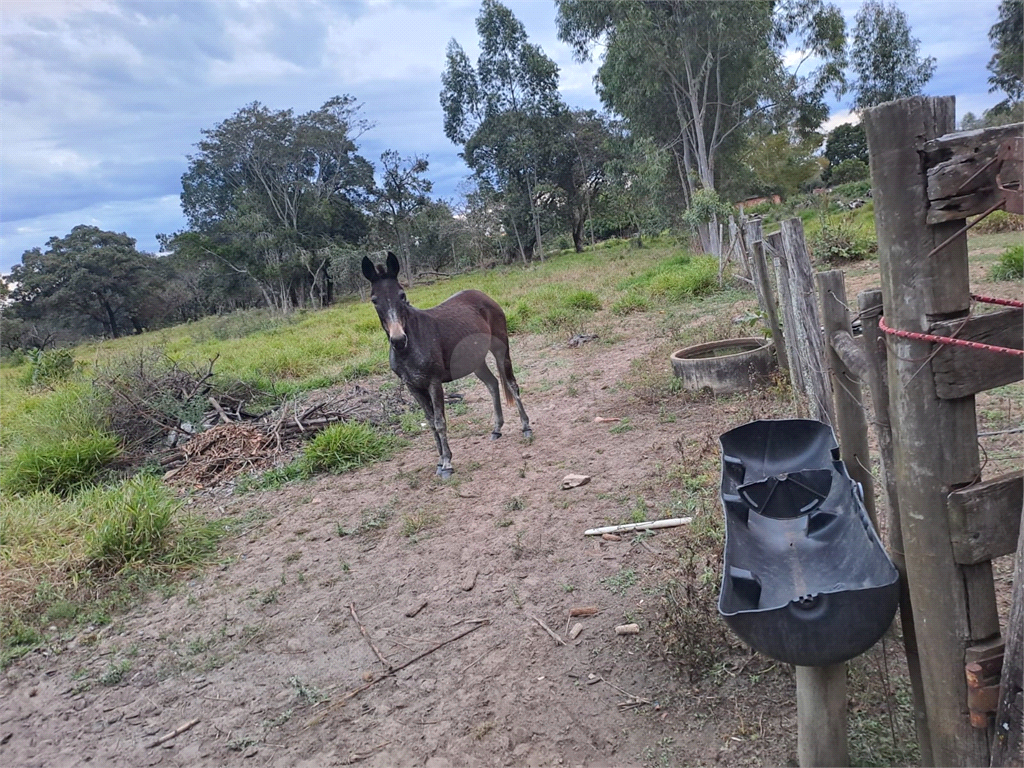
[[495, 435], [528, 434], [445, 473]]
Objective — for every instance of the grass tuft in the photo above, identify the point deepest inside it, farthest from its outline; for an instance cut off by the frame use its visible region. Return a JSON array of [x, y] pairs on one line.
[[344, 446], [63, 467]]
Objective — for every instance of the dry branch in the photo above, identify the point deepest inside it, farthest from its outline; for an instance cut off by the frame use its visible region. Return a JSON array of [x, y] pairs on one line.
[[174, 734], [672, 523], [376, 650], [547, 629]]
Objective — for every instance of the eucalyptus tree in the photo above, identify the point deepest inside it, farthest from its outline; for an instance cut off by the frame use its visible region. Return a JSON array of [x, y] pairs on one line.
[[691, 74], [884, 56], [403, 190], [1007, 63], [271, 193], [502, 112]]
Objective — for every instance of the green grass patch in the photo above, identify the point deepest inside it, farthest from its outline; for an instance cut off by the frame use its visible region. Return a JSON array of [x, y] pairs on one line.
[[676, 279], [344, 446], [1010, 265], [62, 467]]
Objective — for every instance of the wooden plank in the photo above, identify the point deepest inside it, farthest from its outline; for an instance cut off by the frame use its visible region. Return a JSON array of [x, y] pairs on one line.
[[851, 420], [807, 329], [935, 440], [1008, 744], [763, 288], [961, 371], [774, 242], [850, 352], [870, 304], [961, 176], [984, 518]]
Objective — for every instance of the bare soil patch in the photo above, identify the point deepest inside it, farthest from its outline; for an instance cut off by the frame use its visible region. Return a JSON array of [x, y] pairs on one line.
[[264, 648]]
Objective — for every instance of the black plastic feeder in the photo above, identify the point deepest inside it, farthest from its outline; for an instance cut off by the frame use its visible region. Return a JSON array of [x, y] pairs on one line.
[[805, 579]]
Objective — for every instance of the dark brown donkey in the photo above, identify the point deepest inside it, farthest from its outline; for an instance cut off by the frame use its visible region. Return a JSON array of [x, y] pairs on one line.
[[444, 343]]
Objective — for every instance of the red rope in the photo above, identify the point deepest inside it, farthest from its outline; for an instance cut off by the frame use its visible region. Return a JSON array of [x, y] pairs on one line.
[[958, 342], [1004, 302]]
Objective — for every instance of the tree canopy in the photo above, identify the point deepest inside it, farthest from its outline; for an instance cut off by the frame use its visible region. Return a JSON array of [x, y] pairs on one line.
[[884, 56], [1007, 63]]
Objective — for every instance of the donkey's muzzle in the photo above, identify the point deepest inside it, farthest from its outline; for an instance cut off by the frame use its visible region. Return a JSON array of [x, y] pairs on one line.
[[399, 342]]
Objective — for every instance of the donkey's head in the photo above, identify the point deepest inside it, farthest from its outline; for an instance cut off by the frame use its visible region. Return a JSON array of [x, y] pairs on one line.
[[388, 298]]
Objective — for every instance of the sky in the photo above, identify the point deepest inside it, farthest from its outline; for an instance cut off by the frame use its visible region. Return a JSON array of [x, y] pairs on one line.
[[102, 101]]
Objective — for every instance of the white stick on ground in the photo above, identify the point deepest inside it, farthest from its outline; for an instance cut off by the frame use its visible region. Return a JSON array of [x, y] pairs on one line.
[[674, 522]]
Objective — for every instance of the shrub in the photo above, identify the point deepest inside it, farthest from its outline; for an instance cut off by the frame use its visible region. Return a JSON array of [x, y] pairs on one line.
[[838, 243], [585, 301], [61, 467], [49, 367], [347, 445], [849, 170], [1010, 265], [855, 189], [132, 522], [632, 302], [999, 221]]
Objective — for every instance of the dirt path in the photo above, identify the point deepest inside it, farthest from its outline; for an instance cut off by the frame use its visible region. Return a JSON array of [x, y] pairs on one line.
[[262, 647]]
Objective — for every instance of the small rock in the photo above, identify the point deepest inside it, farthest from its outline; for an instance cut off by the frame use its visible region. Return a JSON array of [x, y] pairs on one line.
[[574, 481], [415, 608], [469, 580], [611, 537]]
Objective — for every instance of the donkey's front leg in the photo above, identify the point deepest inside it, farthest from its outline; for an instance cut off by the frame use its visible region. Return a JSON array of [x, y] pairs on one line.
[[444, 469], [422, 397]]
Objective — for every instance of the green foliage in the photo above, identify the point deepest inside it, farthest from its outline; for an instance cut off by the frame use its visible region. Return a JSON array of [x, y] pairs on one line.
[[884, 56], [849, 171], [49, 367], [133, 523], [344, 446], [706, 205], [1010, 265], [677, 279], [585, 301], [855, 189], [846, 142], [837, 242], [59, 467], [633, 301], [1007, 62], [999, 221], [783, 162]]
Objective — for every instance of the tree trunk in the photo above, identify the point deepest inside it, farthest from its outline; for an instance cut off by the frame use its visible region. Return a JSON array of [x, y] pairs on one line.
[[111, 318]]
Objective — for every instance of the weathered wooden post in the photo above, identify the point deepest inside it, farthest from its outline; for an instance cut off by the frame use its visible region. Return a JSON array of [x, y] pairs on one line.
[[773, 242], [851, 422], [763, 288], [918, 289], [870, 304]]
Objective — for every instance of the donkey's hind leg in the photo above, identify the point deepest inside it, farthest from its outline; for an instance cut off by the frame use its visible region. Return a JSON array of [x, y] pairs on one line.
[[500, 351], [484, 374]]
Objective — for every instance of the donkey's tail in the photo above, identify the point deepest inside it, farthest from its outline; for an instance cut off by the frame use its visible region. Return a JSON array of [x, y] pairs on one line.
[[503, 362], [509, 401]]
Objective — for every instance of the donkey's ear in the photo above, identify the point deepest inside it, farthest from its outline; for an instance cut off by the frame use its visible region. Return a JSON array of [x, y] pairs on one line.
[[393, 265], [369, 271]]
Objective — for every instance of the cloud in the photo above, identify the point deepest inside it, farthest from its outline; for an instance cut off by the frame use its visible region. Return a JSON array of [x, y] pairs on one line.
[[101, 101]]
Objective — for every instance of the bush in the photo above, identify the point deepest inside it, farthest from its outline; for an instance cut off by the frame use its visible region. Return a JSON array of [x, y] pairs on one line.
[[1010, 265], [855, 189], [132, 523], [999, 221], [838, 243], [49, 367], [60, 468], [849, 170], [344, 446], [585, 301], [633, 301]]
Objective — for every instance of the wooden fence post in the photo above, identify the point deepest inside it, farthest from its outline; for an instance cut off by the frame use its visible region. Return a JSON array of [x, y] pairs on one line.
[[773, 241], [1008, 745], [763, 288], [851, 422], [806, 336], [870, 304], [935, 439]]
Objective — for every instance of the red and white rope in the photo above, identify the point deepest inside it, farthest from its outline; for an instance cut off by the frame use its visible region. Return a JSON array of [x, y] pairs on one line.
[[959, 342]]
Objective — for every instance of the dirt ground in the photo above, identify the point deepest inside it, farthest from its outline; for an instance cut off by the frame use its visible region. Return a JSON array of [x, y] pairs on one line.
[[264, 650]]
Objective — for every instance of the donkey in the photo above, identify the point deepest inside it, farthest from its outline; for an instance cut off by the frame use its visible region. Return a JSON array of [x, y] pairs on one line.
[[432, 346]]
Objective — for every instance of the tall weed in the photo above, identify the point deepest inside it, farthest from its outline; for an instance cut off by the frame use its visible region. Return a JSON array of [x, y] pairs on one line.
[[60, 468]]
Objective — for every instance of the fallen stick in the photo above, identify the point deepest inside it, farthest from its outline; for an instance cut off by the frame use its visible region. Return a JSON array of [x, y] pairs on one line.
[[586, 610], [400, 667], [220, 411], [173, 734], [547, 629], [376, 650], [674, 522]]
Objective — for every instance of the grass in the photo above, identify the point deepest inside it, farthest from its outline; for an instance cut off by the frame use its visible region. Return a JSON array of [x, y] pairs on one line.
[[1010, 265]]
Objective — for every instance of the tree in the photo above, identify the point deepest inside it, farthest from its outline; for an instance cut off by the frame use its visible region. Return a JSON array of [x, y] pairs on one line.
[[636, 185], [845, 142], [1007, 63], [502, 113], [692, 74], [87, 275], [782, 161], [884, 56], [402, 192], [269, 193]]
